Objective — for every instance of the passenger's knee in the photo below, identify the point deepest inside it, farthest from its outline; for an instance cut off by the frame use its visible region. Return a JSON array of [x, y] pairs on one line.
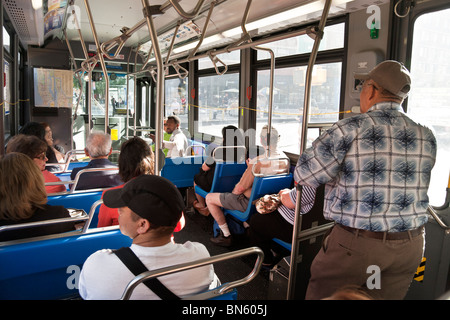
[[210, 199]]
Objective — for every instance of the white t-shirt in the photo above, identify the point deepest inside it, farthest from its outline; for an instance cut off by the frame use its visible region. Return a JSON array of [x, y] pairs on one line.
[[177, 144], [105, 277]]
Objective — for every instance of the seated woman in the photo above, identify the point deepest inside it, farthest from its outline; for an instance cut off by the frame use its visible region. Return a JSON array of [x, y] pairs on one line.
[[135, 158], [35, 148], [232, 136], [57, 150], [37, 129], [279, 223], [23, 199]]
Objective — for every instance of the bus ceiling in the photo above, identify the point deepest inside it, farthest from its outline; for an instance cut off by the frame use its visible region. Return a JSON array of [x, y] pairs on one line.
[[37, 23]]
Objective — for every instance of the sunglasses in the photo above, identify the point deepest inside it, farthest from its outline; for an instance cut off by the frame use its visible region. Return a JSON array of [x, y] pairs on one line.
[[42, 156]]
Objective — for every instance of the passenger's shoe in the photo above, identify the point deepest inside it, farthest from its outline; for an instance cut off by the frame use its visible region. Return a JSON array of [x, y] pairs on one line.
[[202, 210], [222, 241]]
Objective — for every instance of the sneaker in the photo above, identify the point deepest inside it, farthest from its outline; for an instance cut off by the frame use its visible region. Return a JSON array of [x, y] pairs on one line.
[[222, 241]]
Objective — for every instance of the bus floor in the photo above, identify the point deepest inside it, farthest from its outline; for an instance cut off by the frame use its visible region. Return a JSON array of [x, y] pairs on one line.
[[199, 229]]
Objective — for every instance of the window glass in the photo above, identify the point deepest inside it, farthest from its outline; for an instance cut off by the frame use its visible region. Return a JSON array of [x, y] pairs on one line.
[[218, 98], [6, 40], [288, 99], [176, 99], [144, 108], [117, 94], [6, 107], [333, 39], [429, 100]]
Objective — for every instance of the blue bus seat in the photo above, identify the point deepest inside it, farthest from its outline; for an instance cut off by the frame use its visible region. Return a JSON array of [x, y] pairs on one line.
[[78, 164], [181, 170], [287, 246], [78, 200], [262, 186], [226, 175], [48, 267]]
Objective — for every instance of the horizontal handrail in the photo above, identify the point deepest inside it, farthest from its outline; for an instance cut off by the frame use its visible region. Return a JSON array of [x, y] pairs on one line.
[[91, 215], [199, 263], [190, 148], [68, 159], [244, 149], [439, 221], [79, 173], [82, 217]]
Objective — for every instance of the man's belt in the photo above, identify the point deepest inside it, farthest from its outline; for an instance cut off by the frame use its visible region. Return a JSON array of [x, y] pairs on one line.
[[384, 235]]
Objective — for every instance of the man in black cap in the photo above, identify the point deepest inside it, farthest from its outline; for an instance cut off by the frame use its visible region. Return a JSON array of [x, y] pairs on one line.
[[149, 210], [376, 169]]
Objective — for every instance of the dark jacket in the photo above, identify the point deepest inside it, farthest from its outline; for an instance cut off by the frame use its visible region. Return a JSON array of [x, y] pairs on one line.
[[100, 179], [47, 213]]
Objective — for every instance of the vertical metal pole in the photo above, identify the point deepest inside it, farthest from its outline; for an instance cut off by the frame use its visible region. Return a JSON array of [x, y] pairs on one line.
[[308, 80], [159, 155], [89, 100], [127, 123], [102, 63], [2, 92], [135, 93], [272, 73]]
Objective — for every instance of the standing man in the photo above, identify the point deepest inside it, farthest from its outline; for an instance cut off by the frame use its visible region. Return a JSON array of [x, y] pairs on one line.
[[177, 143], [376, 167]]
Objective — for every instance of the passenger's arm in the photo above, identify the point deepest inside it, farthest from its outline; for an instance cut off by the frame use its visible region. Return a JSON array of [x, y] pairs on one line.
[[321, 163], [246, 181], [286, 199]]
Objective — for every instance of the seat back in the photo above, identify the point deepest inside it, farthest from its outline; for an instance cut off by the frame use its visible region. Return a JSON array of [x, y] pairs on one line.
[[261, 186], [181, 170], [226, 175], [78, 200], [48, 267]]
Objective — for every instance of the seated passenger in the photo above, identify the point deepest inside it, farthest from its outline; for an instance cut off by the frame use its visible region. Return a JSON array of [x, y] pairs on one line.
[[232, 136], [279, 223], [37, 129], [57, 150], [177, 143], [238, 199], [149, 209], [98, 148], [135, 158], [23, 199], [35, 148]]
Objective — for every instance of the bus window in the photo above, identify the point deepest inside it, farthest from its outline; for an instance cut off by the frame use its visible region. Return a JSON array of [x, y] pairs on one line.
[[218, 98], [333, 39], [288, 95], [6, 40], [176, 99], [429, 100], [228, 59]]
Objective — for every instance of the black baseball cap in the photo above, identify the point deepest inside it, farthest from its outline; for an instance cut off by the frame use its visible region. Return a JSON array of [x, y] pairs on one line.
[[151, 197]]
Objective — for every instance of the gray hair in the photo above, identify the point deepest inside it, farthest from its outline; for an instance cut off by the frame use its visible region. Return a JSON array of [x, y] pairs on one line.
[[98, 144]]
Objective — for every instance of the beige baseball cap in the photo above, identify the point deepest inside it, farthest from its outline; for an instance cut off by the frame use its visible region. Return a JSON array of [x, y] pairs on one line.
[[390, 75]]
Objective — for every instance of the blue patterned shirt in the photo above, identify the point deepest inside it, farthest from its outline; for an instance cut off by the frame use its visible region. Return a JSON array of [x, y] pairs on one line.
[[376, 167]]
